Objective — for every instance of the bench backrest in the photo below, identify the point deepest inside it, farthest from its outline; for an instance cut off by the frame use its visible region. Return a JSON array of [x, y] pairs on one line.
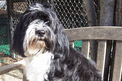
[[102, 34]]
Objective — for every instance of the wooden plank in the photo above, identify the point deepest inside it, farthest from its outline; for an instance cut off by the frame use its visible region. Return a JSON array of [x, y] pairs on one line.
[[101, 56], [7, 68], [117, 62], [94, 33], [85, 48]]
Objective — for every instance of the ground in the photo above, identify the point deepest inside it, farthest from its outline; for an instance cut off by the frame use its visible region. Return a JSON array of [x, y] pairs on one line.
[[15, 75]]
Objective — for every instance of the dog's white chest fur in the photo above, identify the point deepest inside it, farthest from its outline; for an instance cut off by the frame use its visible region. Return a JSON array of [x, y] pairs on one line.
[[37, 67]]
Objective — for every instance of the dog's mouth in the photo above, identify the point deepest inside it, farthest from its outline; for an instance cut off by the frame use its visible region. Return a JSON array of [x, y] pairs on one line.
[[37, 46]]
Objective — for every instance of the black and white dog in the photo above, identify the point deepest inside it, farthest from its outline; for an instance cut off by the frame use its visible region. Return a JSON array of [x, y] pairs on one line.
[[41, 39]]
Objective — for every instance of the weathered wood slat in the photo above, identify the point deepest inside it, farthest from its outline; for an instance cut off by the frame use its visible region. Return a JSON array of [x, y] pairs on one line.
[[85, 48], [95, 33], [101, 56], [7, 68], [117, 62]]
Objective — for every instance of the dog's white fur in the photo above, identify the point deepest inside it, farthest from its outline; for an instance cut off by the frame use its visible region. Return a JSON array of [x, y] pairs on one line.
[[37, 67]]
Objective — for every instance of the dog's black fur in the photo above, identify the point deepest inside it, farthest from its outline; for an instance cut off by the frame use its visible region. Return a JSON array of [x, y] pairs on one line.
[[67, 64]]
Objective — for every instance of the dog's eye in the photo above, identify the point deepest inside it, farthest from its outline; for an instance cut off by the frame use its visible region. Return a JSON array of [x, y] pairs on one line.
[[48, 23], [44, 26], [37, 22]]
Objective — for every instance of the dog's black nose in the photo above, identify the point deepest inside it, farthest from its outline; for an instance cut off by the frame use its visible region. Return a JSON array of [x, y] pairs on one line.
[[40, 32]]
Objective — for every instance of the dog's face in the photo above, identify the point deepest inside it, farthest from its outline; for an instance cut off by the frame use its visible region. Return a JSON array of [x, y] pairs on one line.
[[38, 38], [38, 31]]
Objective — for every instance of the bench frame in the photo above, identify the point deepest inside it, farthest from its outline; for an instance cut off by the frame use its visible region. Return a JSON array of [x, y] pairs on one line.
[[100, 33]]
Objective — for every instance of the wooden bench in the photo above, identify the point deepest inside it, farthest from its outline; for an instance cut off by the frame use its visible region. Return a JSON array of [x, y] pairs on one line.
[[102, 34]]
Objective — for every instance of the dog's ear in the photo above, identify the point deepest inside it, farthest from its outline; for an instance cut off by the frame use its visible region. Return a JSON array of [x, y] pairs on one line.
[[62, 43], [62, 40], [18, 38]]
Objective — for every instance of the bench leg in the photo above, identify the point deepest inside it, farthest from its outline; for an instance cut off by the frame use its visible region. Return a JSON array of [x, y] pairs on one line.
[[24, 76]]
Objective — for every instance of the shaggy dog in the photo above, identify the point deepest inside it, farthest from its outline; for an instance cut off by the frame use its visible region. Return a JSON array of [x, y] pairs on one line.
[[41, 39]]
